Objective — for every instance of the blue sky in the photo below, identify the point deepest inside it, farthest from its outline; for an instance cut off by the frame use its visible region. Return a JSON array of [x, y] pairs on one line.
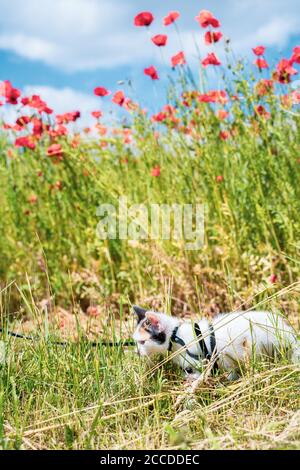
[[64, 48]]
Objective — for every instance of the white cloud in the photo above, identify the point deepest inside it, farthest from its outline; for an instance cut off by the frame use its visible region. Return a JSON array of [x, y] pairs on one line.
[[80, 35]]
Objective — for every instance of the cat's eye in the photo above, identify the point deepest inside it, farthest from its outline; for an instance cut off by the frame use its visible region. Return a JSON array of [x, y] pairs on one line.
[[147, 323], [189, 370]]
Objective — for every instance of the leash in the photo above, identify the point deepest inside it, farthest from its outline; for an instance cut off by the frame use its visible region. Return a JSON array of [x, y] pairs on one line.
[[94, 344], [205, 354]]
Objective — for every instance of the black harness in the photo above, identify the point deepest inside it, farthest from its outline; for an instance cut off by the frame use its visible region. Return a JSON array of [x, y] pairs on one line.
[[204, 354]]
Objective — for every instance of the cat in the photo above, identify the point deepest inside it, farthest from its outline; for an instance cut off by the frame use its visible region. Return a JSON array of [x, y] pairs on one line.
[[228, 342]]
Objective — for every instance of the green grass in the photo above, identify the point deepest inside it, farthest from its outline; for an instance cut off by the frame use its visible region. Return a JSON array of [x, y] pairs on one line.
[[80, 397]]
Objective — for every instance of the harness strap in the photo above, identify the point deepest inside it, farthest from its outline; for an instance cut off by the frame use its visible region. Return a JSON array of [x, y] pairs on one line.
[[204, 351]]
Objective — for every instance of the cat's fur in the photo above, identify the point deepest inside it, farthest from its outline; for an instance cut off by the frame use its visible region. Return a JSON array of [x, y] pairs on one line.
[[240, 338]]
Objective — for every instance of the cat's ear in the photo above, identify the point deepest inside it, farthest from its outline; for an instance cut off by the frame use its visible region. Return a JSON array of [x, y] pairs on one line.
[[140, 312], [154, 320]]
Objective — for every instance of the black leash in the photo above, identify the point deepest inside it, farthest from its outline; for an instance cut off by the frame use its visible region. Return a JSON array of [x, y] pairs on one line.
[[94, 344], [205, 354]]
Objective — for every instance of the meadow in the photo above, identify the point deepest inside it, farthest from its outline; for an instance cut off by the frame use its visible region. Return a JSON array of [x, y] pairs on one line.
[[234, 148]]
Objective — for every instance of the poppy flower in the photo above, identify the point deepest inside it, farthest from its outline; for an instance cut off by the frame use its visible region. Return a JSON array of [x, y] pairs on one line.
[[206, 18], [273, 278], [178, 59], [264, 86], [259, 50], [210, 59], [33, 199], [101, 91], [11, 94], [155, 171], [171, 17], [284, 70], [212, 37], [296, 55], [96, 114], [144, 18], [222, 114], [119, 98], [38, 127], [55, 150], [23, 121], [261, 111], [224, 135], [160, 40], [25, 142], [261, 63], [213, 96], [151, 72], [219, 178]]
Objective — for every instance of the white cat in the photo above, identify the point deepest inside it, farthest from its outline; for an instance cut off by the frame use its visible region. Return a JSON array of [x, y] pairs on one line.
[[228, 342]]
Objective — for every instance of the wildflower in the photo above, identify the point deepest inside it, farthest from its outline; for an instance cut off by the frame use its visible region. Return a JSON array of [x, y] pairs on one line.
[[33, 199], [210, 59], [160, 40], [11, 94], [219, 178], [37, 103], [296, 55], [178, 59], [101, 91], [151, 72], [144, 18], [259, 50], [55, 150], [206, 18], [222, 114], [284, 71], [273, 279], [23, 121], [264, 87], [155, 171], [96, 114], [171, 17], [261, 111], [212, 37], [119, 98], [26, 142], [261, 63], [38, 127], [224, 135], [213, 96], [93, 311], [159, 117]]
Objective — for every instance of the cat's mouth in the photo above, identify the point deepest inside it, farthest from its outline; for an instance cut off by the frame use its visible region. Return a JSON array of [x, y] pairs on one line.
[[141, 342]]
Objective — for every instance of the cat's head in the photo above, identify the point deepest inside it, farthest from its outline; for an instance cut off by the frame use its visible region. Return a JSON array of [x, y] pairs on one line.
[[153, 331]]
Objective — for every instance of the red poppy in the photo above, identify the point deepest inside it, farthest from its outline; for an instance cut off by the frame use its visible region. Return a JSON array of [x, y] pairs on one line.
[[222, 114], [25, 142], [284, 70], [261, 111], [23, 121], [97, 114], [273, 278], [119, 98], [264, 86], [151, 72], [144, 18], [55, 150], [214, 96], [101, 91], [206, 18], [296, 55], [11, 94], [155, 171], [259, 50], [38, 127], [261, 63], [178, 59], [212, 37], [37, 103], [160, 40], [171, 17], [33, 199], [224, 135], [219, 178], [159, 117], [210, 59]]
